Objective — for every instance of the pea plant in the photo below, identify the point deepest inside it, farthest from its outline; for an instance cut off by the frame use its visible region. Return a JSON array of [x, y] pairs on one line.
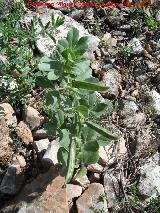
[[72, 104]]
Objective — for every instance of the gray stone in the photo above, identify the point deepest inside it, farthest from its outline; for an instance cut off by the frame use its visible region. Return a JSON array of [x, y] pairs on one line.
[[108, 66], [90, 200], [12, 180], [135, 121], [41, 145], [95, 168], [155, 103], [107, 38], [112, 79], [135, 46], [39, 134], [50, 156], [151, 66], [111, 188], [32, 118], [110, 153], [149, 183], [158, 16], [77, 14], [3, 58], [130, 109]]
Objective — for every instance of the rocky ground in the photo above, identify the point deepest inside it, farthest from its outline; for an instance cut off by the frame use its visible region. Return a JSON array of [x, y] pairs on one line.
[[124, 50]]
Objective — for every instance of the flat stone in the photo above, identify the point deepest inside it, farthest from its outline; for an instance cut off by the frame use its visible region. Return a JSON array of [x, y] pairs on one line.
[[158, 16], [109, 153], [90, 200], [73, 191], [135, 121], [83, 181], [97, 168], [44, 194], [129, 109], [155, 103]]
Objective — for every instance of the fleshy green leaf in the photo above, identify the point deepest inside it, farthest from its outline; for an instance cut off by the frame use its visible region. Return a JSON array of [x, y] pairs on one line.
[[60, 117], [90, 152], [71, 161], [88, 133], [100, 108], [82, 44], [62, 156], [103, 141], [44, 82], [50, 128], [52, 76], [65, 139], [72, 37], [44, 64], [63, 43], [102, 131], [89, 86], [83, 110]]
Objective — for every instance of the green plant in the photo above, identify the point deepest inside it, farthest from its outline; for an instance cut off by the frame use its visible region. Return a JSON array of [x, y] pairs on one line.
[[131, 202], [127, 51], [17, 44], [72, 104], [153, 205], [151, 23]]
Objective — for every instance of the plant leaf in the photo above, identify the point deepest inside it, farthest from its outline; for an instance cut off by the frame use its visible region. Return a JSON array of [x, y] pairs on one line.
[[72, 37], [52, 76], [82, 44], [81, 172], [44, 82], [83, 110], [62, 156], [65, 139], [89, 86], [101, 130], [90, 153]]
